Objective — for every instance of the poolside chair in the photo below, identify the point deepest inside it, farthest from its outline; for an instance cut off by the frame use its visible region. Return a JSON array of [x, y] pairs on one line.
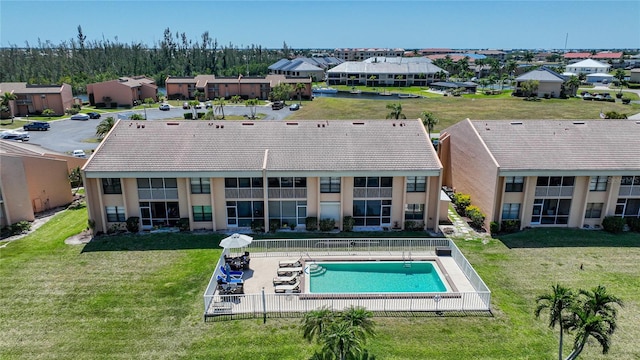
[[229, 280], [291, 288], [290, 263], [284, 271], [226, 270], [285, 280]]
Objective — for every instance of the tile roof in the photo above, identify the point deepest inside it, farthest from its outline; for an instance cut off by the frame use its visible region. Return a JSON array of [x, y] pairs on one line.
[[580, 55], [608, 55], [240, 146], [573, 145]]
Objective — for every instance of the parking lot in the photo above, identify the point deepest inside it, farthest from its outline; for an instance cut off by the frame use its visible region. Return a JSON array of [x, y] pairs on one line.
[[68, 135]]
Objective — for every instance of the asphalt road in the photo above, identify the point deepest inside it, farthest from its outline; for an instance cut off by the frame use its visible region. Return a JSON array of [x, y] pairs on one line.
[[67, 135]]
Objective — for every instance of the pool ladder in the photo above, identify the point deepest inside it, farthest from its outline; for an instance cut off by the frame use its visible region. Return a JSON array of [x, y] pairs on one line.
[[406, 259]]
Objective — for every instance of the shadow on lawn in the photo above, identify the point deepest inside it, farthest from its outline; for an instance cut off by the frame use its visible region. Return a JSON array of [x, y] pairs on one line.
[[549, 238]]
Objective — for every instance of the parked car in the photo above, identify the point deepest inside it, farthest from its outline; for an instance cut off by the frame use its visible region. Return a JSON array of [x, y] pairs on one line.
[[80, 116], [185, 105], [37, 126], [294, 107], [165, 107], [79, 153], [15, 135], [93, 115], [208, 105], [277, 105], [199, 106]]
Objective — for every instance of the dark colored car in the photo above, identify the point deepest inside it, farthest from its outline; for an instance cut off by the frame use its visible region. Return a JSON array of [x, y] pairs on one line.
[[37, 126], [294, 107], [277, 105], [93, 115]]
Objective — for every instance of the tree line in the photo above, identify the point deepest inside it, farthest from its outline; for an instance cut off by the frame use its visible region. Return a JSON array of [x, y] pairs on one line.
[[79, 62]]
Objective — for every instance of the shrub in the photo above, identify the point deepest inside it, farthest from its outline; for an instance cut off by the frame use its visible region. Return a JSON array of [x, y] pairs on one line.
[[311, 223], [626, 101], [274, 225], [347, 223], [101, 105], [91, 224], [461, 201], [18, 228], [327, 224], [510, 226], [634, 224], [476, 217], [115, 228], [188, 116], [614, 115], [183, 224], [410, 225], [613, 224], [76, 106], [292, 226], [494, 227], [72, 111], [132, 224], [257, 226]]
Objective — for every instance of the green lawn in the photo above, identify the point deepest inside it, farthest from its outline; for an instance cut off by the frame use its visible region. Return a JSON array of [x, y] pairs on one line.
[[141, 297], [453, 109]]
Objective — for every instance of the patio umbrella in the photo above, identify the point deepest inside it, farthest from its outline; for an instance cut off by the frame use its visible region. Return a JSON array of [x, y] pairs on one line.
[[236, 241]]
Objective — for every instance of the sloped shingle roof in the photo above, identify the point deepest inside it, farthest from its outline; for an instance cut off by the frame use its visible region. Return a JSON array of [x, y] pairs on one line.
[[541, 74], [386, 68], [237, 146]]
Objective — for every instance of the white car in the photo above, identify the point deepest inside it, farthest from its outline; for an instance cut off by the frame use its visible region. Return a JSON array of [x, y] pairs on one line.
[[79, 153], [80, 116], [14, 135], [165, 107]]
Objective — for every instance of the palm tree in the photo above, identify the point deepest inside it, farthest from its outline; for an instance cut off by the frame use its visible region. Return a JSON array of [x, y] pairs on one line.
[[360, 318], [396, 111], [429, 121], [5, 102], [353, 81], [619, 75], [251, 104], [104, 127], [220, 105], [343, 341], [372, 78], [316, 322], [573, 83], [209, 115], [75, 178], [528, 56], [299, 88], [556, 302]]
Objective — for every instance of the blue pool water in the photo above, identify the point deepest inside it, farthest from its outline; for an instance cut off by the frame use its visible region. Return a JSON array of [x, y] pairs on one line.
[[376, 277]]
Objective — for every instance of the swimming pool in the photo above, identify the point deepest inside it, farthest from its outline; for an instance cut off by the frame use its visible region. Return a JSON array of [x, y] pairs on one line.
[[374, 277]]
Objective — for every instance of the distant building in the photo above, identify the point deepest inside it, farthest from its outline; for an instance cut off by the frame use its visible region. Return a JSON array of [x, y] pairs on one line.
[[32, 180], [549, 82], [494, 54], [314, 67], [210, 87], [384, 73], [34, 99], [588, 66], [360, 54], [435, 51], [127, 91]]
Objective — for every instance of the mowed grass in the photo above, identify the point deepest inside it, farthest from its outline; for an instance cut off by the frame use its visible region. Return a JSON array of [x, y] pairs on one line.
[[140, 297], [449, 110]]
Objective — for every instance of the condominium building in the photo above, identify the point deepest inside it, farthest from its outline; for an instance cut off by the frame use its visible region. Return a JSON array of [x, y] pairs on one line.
[[228, 175], [545, 172]]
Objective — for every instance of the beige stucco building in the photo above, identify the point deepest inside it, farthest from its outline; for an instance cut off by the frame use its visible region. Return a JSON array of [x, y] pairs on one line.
[[545, 172], [125, 91], [549, 83], [34, 99], [228, 175], [211, 87], [32, 180]]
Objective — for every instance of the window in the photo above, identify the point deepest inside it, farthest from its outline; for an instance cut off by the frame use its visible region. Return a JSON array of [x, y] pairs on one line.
[[598, 183], [243, 183], [115, 213], [159, 213], [551, 211], [202, 213], [628, 208], [416, 183], [243, 213], [111, 186], [414, 212], [594, 210], [514, 183], [330, 184], [373, 182], [510, 211], [287, 182], [200, 186], [288, 212], [371, 212], [555, 181], [157, 188]]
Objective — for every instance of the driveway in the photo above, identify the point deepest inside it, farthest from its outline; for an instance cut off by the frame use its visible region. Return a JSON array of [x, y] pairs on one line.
[[67, 135]]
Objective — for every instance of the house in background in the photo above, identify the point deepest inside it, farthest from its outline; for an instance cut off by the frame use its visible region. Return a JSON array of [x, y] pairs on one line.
[[238, 175], [125, 91], [588, 66], [634, 77], [34, 99], [555, 173], [360, 54], [314, 67], [549, 82], [32, 180], [210, 87], [406, 73]]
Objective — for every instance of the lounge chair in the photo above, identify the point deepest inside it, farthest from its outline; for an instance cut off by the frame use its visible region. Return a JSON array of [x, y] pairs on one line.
[[231, 273], [282, 280], [229, 280], [291, 288], [289, 270], [290, 263]]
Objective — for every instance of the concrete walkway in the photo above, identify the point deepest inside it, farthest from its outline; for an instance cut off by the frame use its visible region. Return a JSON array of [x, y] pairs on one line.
[[461, 229]]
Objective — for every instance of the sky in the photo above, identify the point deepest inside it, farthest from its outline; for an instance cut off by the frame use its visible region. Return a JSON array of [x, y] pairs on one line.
[[330, 24]]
